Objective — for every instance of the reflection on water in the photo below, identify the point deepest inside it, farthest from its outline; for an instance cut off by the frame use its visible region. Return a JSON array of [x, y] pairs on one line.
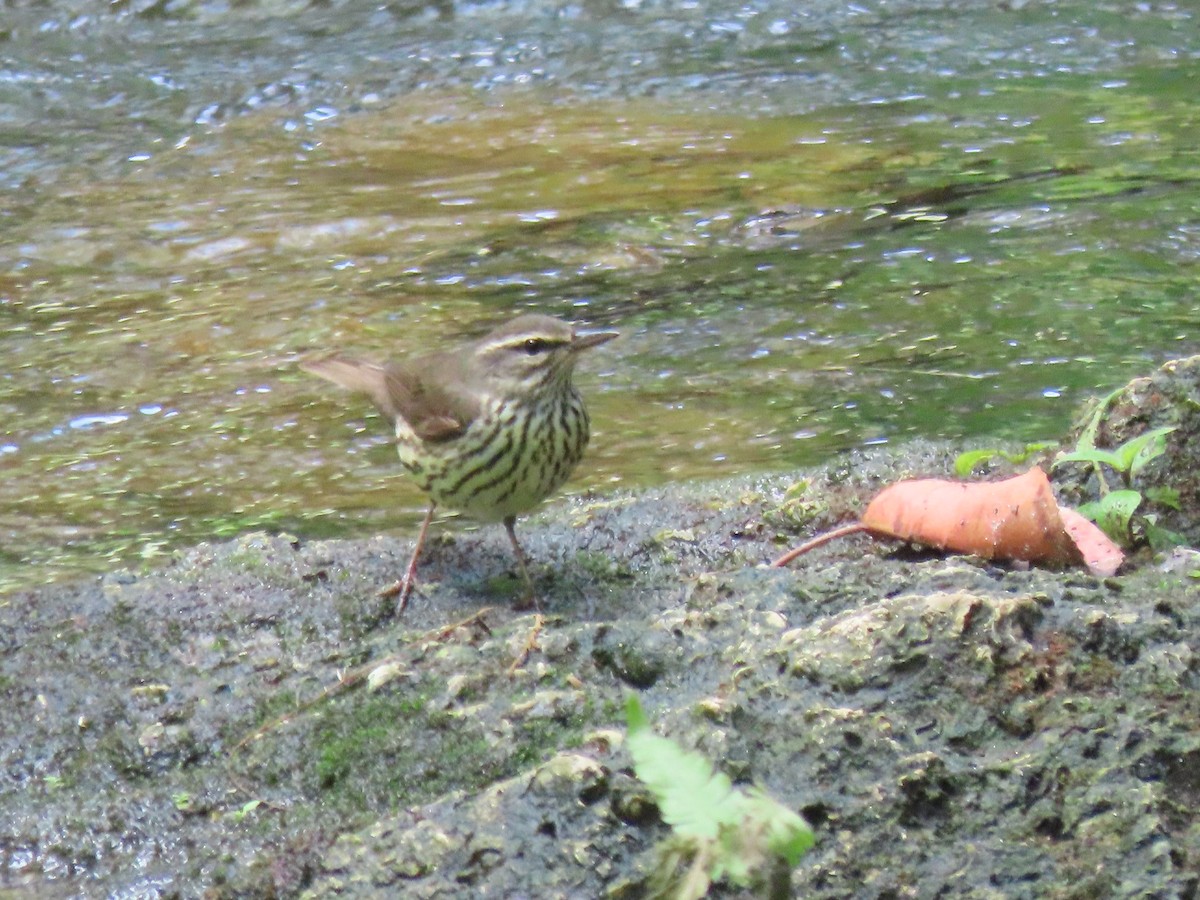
[[812, 234]]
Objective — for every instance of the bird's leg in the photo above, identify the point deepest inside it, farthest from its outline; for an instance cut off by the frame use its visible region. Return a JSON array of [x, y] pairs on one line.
[[404, 587], [530, 599]]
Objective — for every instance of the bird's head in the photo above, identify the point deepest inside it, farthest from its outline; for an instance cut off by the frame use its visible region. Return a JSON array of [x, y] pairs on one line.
[[533, 353]]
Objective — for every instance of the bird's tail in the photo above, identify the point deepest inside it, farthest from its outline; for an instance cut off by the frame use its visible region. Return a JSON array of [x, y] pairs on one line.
[[355, 375]]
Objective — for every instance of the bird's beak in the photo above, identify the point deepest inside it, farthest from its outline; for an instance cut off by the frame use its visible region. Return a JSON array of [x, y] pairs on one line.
[[582, 340]]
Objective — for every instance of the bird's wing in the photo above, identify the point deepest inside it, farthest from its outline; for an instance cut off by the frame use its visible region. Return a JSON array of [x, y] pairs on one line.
[[434, 411], [403, 391]]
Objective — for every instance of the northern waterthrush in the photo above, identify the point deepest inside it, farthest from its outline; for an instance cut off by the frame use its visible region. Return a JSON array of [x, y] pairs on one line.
[[490, 429]]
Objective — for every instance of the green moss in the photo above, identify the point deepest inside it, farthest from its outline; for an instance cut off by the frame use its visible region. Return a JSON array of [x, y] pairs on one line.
[[278, 704], [382, 751], [537, 738], [348, 748], [601, 566]]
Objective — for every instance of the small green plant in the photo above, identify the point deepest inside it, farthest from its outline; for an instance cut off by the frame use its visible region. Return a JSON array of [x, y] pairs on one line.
[[720, 832], [1115, 508], [965, 463], [246, 809], [800, 505]]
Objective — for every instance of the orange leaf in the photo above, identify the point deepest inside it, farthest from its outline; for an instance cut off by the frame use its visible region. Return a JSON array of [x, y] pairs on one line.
[[1013, 519], [1102, 556]]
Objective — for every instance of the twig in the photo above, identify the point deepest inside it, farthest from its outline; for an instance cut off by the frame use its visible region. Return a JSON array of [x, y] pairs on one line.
[[530, 642], [818, 541]]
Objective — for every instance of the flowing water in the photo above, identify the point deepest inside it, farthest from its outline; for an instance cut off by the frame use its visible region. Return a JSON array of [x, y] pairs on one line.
[[817, 226]]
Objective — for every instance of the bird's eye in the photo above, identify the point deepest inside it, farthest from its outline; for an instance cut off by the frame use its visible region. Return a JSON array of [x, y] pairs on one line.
[[534, 346]]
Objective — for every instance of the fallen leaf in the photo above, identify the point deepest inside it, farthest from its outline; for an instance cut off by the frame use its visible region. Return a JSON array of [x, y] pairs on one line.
[[1102, 556], [1014, 519]]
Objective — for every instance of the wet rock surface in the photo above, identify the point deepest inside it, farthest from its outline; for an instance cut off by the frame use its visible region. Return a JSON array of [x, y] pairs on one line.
[[252, 722]]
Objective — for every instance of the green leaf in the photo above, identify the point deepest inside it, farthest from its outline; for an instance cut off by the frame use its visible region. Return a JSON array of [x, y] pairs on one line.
[[692, 798], [248, 807], [965, 463], [797, 489], [740, 853], [1164, 496], [1112, 512], [635, 717], [1092, 455], [1145, 448], [788, 834], [1128, 459], [1159, 538], [1087, 437], [726, 832]]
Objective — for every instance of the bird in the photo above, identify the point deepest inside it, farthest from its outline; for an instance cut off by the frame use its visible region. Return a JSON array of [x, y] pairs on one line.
[[489, 429]]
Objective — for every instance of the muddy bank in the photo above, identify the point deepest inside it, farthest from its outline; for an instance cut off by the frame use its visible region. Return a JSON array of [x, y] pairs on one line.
[[944, 724]]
